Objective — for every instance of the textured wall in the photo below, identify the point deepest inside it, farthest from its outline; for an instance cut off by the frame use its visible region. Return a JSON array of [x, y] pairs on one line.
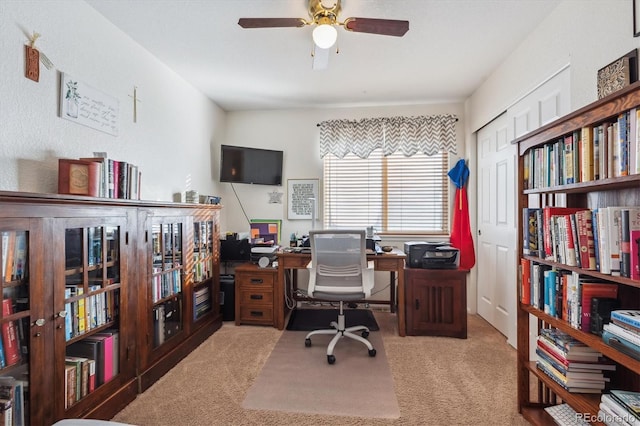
[[176, 126]]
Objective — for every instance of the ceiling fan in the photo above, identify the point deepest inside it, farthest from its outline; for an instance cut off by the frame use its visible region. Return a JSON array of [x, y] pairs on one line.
[[325, 18]]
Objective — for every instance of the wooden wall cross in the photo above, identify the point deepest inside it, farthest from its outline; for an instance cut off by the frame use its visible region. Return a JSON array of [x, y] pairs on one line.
[[135, 103]]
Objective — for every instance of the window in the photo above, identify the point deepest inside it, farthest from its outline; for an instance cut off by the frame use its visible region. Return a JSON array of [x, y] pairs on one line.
[[394, 194]]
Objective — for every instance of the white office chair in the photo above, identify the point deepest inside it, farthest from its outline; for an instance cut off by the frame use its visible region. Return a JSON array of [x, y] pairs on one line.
[[339, 272]]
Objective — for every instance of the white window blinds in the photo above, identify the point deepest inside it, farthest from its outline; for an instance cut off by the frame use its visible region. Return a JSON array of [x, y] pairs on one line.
[[394, 194]]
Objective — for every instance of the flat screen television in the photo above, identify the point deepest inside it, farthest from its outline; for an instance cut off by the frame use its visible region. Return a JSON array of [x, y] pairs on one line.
[[250, 165]]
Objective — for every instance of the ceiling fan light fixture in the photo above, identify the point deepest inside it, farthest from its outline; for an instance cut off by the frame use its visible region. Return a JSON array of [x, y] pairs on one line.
[[325, 36]]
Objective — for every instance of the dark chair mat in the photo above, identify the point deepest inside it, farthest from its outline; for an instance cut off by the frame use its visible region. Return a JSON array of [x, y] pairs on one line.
[[315, 319]]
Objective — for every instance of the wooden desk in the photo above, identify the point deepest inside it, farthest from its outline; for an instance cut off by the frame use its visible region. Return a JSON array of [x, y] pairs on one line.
[[392, 262]]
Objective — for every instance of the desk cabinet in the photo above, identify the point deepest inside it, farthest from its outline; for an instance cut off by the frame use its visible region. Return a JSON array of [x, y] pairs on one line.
[[436, 302], [255, 295]]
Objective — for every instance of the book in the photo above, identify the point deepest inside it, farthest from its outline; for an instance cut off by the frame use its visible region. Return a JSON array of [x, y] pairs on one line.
[[69, 385], [616, 410], [601, 365], [20, 256], [630, 400], [623, 144], [548, 212], [111, 348], [8, 392], [525, 280], [634, 132], [550, 292], [92, 349], [530, 232], [628, 318], [568, 388], [565, 356], [8, 250], [630, 243], [567, 343], [602, 221], [621, 344], [586, 242], [104, 171], [589, 291], [570, 371], [568, 160], [613, 236], [19, 403], [586, 154], [105, 356], [569, 383], [78, 177], [10, 342], [77, 364], [6, 412], [619, 331], [92, 374]]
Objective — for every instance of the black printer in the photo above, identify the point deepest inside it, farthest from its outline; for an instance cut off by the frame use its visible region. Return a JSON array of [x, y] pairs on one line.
[[428, 255]]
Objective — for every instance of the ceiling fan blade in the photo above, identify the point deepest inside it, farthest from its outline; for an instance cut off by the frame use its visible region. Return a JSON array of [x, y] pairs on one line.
[[271, 22], [377, 26]]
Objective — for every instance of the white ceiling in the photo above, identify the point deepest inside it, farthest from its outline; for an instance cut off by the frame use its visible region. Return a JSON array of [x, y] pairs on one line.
[[450, 48]]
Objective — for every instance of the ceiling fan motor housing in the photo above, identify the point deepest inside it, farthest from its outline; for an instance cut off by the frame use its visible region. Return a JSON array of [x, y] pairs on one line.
[[324, 15]]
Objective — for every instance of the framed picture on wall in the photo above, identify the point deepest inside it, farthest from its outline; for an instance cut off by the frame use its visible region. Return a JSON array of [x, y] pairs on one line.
[[302, 198]]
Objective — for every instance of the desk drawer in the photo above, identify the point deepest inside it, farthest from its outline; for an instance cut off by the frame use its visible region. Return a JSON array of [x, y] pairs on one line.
[[256, 314], [256, 296], [256, 280], [383, 264], [295, 261]]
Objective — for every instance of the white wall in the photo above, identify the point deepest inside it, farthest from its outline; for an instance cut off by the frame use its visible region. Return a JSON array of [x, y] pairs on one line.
[[296, 133], [586, 34], [176, 126]]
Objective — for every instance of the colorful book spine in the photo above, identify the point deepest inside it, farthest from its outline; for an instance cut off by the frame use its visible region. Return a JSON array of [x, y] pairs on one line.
[[628, 317], [10, 335], [623, 141], [525, 290]]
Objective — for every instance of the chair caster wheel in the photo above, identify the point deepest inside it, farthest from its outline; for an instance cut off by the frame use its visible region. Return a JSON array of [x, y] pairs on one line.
[[365, 334], [331, 359], [372, 352], [307, 343]]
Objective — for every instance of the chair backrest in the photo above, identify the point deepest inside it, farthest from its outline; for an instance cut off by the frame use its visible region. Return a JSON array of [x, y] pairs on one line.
[[339, 262]]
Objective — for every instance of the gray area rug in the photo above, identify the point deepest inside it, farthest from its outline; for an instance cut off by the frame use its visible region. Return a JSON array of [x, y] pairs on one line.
[[316, 319], [299, 379]]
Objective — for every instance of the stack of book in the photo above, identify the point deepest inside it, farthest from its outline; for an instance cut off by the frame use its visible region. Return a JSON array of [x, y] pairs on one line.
[[570, 363], [99, 177], [620, 407], [623, 332]]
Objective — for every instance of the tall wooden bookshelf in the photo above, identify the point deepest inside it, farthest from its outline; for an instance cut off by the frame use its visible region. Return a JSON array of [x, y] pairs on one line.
[[535, 389], [77, 276]]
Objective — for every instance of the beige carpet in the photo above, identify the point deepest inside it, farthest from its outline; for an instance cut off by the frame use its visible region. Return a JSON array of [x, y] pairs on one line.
[[438, 381], [299, 379]]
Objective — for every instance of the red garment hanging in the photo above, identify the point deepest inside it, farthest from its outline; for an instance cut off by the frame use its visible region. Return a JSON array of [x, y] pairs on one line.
[[461, 237]]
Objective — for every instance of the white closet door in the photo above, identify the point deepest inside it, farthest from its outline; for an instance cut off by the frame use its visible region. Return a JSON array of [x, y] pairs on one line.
[[497, 200]]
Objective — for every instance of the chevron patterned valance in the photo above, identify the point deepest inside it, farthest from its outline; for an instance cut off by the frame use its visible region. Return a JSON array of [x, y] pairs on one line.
[[409, 135]]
